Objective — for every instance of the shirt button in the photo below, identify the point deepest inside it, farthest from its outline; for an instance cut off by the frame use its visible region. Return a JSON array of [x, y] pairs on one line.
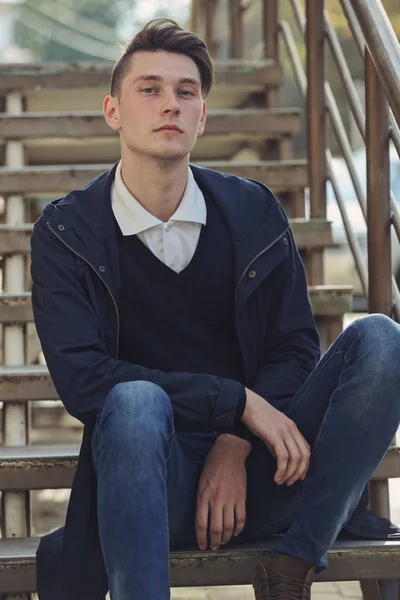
[[285, 241], [252, 274], [61, 227]]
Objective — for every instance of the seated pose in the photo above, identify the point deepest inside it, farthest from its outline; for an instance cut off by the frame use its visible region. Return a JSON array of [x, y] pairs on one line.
[[172, 308]]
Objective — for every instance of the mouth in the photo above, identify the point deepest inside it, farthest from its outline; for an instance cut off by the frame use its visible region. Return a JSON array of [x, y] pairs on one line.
[[172, 129]]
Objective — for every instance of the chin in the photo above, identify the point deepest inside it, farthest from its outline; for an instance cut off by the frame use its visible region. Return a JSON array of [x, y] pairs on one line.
[[170, 154]]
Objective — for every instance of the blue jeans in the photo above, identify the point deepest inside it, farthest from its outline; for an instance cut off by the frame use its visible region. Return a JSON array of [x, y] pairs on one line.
[[348, 410]]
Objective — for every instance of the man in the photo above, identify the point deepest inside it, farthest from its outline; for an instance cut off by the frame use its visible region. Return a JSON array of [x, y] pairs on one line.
[[172, 308]]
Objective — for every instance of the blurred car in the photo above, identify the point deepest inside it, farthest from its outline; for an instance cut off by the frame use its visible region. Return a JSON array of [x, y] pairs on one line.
[[338, 260]]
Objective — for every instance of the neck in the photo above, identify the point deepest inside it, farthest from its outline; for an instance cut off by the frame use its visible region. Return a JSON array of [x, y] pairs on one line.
[[157, 186]]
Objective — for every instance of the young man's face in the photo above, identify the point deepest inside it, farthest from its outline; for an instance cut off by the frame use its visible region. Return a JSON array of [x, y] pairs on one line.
[[161, 89]]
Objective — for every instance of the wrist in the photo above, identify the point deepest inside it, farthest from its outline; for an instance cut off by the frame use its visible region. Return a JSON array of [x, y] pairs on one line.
[[250, 399], [234, 444]]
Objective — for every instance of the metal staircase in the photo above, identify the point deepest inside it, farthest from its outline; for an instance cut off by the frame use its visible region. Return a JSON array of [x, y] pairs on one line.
[[53, 138]]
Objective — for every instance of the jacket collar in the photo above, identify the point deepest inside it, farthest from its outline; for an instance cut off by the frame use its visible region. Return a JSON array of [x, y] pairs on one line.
[[253, 215]]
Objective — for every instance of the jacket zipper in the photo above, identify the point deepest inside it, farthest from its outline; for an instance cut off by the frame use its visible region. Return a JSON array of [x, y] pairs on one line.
[[258, 255], [99, 276]]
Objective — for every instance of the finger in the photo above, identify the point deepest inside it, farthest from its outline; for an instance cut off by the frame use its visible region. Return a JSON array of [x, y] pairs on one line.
[[304, 462], [302, 471], [295, 457], [201, 522], [240, 518], [216, 521], [229, 523], [282, 458]]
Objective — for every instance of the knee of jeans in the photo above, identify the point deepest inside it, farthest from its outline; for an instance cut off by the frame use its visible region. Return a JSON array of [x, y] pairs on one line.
[[137, 407], [380, 339]]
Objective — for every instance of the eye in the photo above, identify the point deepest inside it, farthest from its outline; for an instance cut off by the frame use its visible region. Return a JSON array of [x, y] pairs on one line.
[[148, 90], [188, 92]]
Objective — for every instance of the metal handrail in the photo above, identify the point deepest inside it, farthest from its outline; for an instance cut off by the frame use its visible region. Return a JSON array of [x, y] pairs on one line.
[[376, 27], [359, 41], [342, 138], [301, 79]]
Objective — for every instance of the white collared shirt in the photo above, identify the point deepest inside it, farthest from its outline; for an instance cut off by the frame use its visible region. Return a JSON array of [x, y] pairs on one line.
[[173, 242]]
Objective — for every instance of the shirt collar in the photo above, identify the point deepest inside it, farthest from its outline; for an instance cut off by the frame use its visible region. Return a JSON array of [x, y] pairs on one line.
[[133, 218]]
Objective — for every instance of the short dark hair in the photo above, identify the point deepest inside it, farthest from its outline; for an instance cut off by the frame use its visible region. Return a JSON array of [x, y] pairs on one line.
[[167, 35]]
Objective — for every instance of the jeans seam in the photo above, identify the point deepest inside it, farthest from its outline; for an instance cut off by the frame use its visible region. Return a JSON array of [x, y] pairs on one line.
[[311, 380]]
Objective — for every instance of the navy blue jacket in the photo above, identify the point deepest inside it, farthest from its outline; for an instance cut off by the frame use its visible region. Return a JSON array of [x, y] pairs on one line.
[[76, 279]]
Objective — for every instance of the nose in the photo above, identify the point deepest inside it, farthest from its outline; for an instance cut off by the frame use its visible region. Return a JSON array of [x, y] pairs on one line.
[[170, 104]]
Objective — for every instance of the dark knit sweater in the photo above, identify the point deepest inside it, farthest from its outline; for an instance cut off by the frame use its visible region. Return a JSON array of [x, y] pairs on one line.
[[182, 322]]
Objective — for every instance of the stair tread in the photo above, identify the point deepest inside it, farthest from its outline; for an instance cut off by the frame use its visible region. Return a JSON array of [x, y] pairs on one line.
[[249, 122], [326, 300], [53, 179], [89, 74], [39, 461], [355, 559], [18, 549]]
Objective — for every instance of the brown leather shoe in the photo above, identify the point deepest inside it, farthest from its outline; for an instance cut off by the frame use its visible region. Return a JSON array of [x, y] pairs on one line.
[[285, 578]]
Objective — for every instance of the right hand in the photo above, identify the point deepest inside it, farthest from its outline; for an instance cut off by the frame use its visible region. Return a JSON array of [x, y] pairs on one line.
[[282, 437]]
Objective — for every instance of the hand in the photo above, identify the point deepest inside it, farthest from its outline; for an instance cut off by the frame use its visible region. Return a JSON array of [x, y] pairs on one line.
[[281, 436], [221, 494]]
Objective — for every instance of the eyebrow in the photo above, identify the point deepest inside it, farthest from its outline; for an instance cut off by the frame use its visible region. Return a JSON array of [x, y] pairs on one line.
[[158, 78]]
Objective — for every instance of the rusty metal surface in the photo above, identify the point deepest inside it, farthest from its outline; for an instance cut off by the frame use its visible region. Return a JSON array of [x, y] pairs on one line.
[[21, 384], [60, 179], [270, 29], [53, 466], [314, 233], [84, 124], [383, 46], [38, 467], [16, 309], [330, 301], [15, 240], [316, 107], [378, 193], [236, 28], [65, 75], [347, 561]]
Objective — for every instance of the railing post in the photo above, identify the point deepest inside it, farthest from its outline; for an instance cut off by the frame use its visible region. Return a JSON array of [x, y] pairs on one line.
[[209, 8], [236, 27], [195, 16], [271, 47], [316, 125], [378, 223], [15, 505], [378, 192]]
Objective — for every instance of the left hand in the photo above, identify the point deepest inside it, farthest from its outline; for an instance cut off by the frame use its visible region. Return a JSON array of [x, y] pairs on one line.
[[221, 494]]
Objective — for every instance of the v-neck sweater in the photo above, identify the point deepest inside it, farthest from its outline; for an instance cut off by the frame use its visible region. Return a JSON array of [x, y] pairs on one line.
[[182, 322]]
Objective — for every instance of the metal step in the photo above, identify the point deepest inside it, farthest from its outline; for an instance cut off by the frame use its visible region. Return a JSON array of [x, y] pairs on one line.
[[64, 75], [25, 383], [33, 181], [348, 560], [53, 466], [327, 301], [80, 137], [49, 86], [245, 123], [314, 233]]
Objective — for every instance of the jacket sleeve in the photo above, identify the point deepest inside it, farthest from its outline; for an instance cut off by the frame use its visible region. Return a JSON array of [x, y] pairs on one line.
[[291, 345], [82, 371]]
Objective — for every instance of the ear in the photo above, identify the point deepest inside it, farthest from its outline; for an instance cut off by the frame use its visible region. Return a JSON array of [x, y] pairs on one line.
[[111, 112], [203, 119]]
